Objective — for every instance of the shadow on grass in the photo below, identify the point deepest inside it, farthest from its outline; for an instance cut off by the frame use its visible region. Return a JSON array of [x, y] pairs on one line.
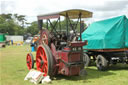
[[113, 67], [118, 67], [92, 73]]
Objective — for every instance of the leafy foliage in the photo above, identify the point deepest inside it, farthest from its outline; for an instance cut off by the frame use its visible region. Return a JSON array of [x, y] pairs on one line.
[[33, 28], [10, 24], [14, 24]]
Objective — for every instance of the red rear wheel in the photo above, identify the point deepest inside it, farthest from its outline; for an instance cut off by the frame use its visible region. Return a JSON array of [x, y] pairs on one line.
[[30, 61], [43, 60], [45, 37]]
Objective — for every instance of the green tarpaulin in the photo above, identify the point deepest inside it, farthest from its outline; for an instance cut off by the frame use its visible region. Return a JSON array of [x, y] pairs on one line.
[[107, 34], [2, 37]]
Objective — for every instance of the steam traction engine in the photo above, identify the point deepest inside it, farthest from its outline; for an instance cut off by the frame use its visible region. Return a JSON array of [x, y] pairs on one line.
[[60, 48]]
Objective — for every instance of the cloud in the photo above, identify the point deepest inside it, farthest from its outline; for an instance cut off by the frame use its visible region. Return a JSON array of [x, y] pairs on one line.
[[112, 6], [109, 9], [101, 9], [7, 6]]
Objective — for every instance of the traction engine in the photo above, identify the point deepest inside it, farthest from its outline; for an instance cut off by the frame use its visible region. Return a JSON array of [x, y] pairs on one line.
[[60, 51]]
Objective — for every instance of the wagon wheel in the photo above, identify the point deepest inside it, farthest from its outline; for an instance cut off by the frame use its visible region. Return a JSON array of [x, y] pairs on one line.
[[45, 37], [86, 59], [30, 61], [101, 63], [44, 60]]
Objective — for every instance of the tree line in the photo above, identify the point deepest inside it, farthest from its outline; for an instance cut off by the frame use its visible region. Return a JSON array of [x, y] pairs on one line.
[[14, 24]]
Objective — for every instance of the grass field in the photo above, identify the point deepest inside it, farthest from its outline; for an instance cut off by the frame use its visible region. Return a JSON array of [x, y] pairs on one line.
[[13, 69]]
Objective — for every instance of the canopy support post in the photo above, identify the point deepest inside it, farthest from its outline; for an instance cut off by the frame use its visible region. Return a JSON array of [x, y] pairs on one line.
[[47, 24], [80, 26], [59, 24], [67, 24], [40, 24]]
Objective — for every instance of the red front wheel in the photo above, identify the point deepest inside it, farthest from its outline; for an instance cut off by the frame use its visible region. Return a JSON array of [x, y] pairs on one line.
[[30, 61], [44, 60]]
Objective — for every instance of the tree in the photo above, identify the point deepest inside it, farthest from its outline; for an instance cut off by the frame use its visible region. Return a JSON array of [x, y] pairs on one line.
[[12, 24], [33, 28], [21, 19], [7, 24], [15, 24]]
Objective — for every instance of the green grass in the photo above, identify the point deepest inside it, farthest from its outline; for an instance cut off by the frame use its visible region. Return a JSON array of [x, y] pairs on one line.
[[13, 69]]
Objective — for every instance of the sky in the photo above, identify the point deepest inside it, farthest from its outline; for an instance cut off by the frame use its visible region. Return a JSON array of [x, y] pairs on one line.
[[102, 9]]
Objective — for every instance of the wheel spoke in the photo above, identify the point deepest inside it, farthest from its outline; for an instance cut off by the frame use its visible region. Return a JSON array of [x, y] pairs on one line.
[[46, 67], [43, 68], [38, 60], [43, 59], [43, 56]]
